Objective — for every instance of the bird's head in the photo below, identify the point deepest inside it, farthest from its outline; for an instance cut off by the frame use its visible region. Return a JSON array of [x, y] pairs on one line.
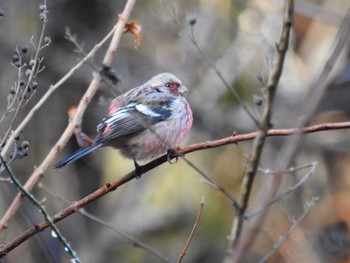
[[167, 83]]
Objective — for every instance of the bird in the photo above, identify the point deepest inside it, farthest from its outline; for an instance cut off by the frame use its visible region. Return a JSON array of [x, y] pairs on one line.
[[143, 123]]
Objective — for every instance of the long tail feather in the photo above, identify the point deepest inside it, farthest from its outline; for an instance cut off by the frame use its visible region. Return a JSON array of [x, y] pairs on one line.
[[77, 155]]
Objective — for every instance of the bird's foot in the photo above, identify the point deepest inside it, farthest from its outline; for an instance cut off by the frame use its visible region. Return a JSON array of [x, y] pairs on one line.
[[138, 170], [170, 154]]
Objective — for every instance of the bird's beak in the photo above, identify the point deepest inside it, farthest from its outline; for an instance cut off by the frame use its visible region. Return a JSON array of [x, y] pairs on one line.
[[182, 90]]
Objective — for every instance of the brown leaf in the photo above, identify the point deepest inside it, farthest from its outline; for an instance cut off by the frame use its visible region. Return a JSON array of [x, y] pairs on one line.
[[134, 28], [71, 111]]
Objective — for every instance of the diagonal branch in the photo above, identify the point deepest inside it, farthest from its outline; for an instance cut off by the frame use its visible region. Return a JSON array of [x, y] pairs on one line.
[[40, 170], [42, 209], [309, 204], [109, 187], [131, 239]]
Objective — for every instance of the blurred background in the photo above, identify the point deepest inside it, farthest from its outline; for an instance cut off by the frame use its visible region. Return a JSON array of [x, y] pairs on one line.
[[193, 39]]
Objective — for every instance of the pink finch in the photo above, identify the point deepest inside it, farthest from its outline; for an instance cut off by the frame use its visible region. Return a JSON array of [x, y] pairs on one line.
[[144, 122]]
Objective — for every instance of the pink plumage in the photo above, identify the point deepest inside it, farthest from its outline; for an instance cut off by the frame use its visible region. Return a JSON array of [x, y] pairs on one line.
[[144, 122]]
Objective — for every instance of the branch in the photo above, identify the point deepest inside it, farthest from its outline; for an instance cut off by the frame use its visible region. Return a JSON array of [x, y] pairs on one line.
[[34, 70], [183, 253], [76, 120], [191, 37], [109, 187], [42, 209], [254, 158], [50, 91], [133, 241], [291, 228], [317, 91], [290, 190]]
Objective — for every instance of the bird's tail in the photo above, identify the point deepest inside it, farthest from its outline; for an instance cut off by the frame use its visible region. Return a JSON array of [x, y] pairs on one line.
[[75, 156]]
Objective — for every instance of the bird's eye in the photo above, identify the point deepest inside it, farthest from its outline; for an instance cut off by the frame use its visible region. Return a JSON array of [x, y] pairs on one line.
[[168, 85]]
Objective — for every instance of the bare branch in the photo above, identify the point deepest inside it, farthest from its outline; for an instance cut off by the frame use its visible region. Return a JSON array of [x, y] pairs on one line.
[[109, 187], [318, 88], [191, 37], [134, 241], [42, 209], [76, 120], [254, 158], [291, 189], [291, 228], [183, 253]]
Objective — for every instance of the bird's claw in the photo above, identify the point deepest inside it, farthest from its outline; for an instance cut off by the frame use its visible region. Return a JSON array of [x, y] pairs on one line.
[[170, 153], [138, 170]]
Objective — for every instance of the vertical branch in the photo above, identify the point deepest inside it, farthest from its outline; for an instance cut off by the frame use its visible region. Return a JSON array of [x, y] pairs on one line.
[[254, 157], [318, 88], [34, 70], [119, 29]]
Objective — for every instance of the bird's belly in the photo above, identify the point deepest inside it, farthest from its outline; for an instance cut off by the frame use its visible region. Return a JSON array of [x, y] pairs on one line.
[[154, 142]]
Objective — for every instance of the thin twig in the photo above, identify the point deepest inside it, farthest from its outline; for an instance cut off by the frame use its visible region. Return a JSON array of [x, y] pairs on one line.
[[291, 228], [79, 49], [76, 120], [213, 182], [192, 39], [73, 38], [254, 158], [109, 187], [42, 209], [318, 89], [50, 91], [312, 167], [183, 253], [33, 72], [134, 241]]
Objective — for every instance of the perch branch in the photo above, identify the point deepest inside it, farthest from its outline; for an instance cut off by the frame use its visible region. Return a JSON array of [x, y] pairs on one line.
[[109, 187]]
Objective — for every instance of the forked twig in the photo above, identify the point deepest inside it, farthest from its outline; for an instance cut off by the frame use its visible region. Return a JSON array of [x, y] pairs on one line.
[[290, 190], [291, 228]]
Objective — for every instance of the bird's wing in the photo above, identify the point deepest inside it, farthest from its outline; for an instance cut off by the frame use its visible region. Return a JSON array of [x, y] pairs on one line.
[[135, 117]]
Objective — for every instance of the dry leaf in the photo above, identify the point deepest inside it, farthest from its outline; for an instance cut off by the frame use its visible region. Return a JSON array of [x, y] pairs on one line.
[[71, 111], [134, 28]]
